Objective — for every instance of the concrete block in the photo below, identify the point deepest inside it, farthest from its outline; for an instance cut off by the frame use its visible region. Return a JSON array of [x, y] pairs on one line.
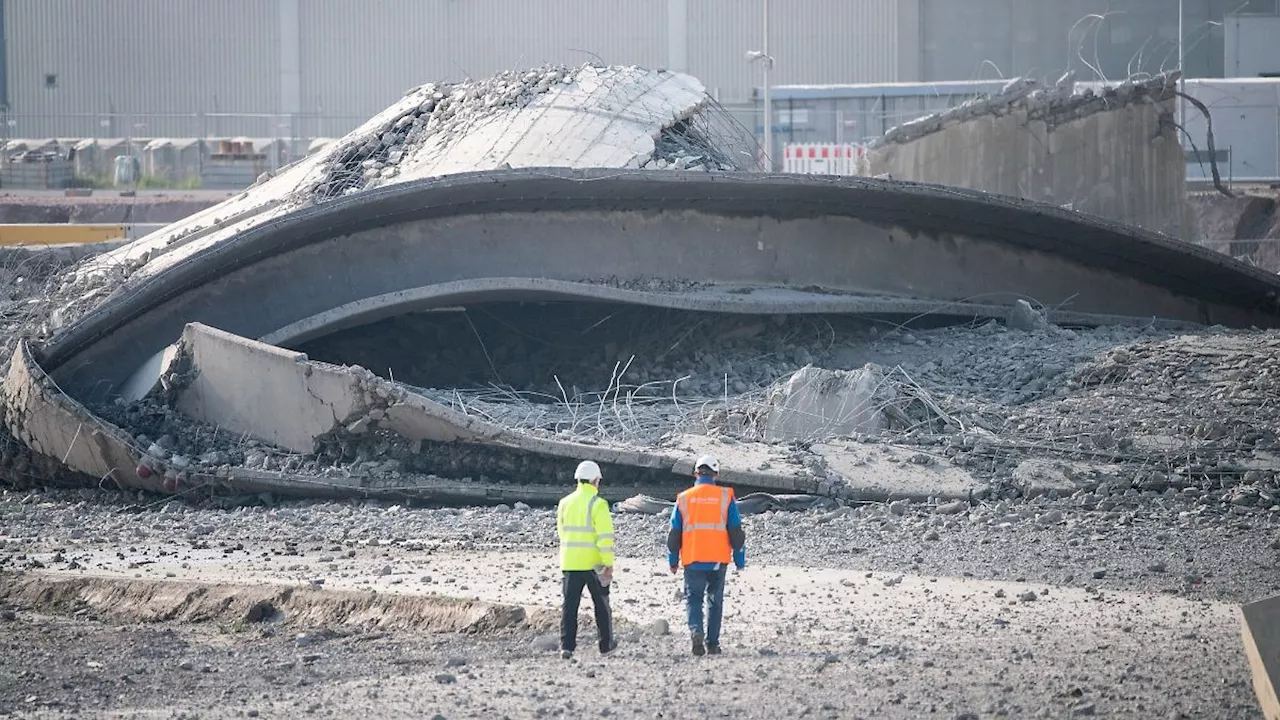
[[275, 395], [871, 476], [1260, 630], [56, 426], [815, 402]]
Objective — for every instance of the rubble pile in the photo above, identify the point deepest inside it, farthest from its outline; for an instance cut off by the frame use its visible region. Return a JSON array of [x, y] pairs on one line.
[[483, 124], [441, 111], [1108, 415]]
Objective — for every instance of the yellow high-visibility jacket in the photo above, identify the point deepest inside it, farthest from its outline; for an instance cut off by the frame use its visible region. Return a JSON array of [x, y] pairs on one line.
[[586, 530]]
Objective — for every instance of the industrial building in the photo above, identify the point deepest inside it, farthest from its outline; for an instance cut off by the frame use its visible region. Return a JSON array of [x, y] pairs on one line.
[[288, 68]]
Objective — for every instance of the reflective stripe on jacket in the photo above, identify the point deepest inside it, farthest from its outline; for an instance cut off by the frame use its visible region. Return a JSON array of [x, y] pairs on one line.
[[586, 530], [704, 511]]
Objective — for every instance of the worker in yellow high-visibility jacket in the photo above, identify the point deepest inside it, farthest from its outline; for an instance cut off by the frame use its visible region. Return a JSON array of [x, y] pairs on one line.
[[586, 557]]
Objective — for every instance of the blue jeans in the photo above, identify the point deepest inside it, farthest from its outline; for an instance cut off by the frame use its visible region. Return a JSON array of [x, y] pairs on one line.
[[708, 584]]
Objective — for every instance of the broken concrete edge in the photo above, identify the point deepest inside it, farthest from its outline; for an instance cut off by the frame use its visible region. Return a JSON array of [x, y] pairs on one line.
[[302, 607], [1095, 242], [1051, 104], [1260, 634], [737, 299], [279, 484], [50, 423]]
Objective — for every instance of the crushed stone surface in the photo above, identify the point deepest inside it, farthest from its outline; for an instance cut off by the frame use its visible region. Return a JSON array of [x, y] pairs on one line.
[[1040, 610]]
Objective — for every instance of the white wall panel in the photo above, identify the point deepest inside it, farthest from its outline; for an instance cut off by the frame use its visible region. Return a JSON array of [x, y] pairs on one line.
[[139, 57], [196, 58], [813, 42], [358, 57]]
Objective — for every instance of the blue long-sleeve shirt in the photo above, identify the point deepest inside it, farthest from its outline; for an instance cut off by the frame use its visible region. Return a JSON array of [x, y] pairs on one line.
[[734, 520]]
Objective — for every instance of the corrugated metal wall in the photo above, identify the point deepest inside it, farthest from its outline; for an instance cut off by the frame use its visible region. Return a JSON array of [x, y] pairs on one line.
[[358, 57], [140, 57], [813, 42], [137, 58], [1251, 42], [970, 40]]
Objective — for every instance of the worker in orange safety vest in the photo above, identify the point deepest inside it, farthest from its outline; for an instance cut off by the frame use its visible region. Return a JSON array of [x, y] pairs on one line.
[[706, 534]]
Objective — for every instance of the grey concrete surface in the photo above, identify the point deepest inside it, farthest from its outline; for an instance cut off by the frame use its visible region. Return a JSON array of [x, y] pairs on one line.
[[275, 395], [850, 235], [52, 424], [1116, 155], [722, 298]]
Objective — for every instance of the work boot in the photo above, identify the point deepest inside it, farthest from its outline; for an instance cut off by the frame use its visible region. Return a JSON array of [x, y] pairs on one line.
[[699, 648], [713, 648], [566, 654]]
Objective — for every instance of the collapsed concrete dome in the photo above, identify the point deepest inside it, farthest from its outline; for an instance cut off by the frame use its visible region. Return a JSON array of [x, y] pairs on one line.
[[184, 361]]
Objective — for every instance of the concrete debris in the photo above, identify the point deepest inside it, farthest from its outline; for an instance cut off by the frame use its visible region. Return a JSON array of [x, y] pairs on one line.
[[815, 403], [1054, 105], [1024, 317], [549, 116], [994, 413], [519, 119], [1113, 152]]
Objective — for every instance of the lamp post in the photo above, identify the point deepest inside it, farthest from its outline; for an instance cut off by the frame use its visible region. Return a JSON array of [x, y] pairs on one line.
[[1182, 72], [766, 60]]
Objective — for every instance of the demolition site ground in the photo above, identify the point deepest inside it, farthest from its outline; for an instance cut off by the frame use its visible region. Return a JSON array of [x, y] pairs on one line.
[[1125, 506]]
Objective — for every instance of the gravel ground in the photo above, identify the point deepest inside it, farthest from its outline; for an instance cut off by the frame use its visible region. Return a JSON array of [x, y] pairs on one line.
[[1030, 609]]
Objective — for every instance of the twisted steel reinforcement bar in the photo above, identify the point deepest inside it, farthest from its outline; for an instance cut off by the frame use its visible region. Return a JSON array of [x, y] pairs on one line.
[[659, 233]]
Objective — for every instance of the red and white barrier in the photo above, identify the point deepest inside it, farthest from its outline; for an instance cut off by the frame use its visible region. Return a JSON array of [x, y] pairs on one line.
[[821, 158]]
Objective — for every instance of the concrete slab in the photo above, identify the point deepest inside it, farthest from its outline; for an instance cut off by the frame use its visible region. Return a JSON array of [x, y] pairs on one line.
[[879, 472], [277, 396], [754, 464], [1260, 629], [55, 426]]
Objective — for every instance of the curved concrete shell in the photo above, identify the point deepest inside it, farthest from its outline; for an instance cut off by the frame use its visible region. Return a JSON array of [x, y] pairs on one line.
[[721, 241]]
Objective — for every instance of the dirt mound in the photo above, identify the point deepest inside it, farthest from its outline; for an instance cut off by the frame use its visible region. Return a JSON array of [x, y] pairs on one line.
[[149, 601]]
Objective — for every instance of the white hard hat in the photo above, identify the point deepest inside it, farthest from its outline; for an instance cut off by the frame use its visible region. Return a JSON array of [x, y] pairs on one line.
[[708, 461], [587, 470]]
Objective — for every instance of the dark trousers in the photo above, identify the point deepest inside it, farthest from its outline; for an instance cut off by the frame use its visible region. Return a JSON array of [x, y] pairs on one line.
[[705, 586], [574, 582]]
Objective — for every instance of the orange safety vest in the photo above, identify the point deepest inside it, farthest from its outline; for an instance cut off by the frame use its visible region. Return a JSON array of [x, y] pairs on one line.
[[704, 517]]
